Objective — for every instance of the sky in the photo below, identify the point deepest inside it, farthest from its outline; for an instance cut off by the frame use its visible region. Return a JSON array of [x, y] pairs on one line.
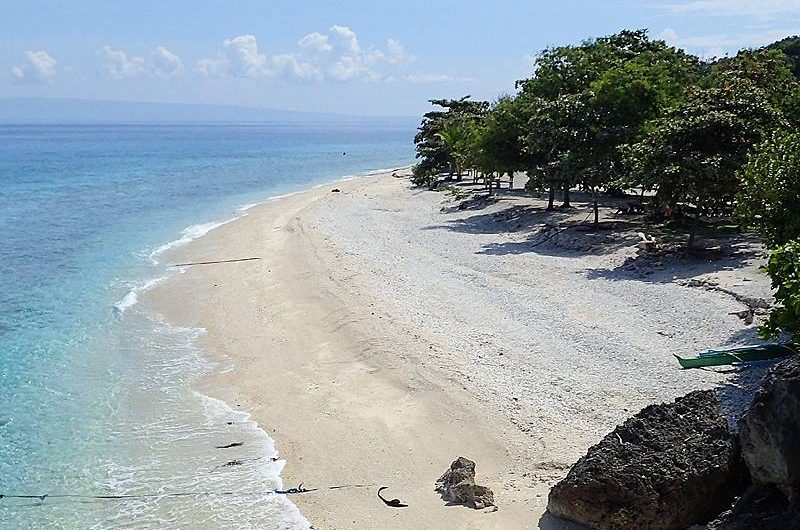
[[375, 57]]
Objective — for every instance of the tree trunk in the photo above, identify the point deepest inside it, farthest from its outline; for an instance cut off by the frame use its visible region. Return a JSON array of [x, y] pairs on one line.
[[552, 197], [596, 207], [566, 204], [692, 232], [490, 180], [511, 180]]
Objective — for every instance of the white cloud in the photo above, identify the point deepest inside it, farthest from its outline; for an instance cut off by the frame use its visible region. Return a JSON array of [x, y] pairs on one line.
[[420, 79], [244, 58], [670, 36], [40, 68], [715, 45], [315, 42], [346, 37], [397, 52], [119, 65], [762, 8], [165, 64], [160, 63], [241, 58], [213, 67], [290, 64], [337, 55]]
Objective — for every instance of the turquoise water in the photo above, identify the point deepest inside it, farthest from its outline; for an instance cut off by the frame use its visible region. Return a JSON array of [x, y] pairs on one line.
[[96, 395]]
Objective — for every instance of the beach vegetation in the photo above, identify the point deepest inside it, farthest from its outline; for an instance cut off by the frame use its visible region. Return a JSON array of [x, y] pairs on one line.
[[591, 100], [784, 271], [769, 188], [690, 156], [442, 138]]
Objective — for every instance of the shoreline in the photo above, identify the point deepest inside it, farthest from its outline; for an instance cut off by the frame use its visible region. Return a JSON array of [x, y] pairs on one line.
[[198, 230], [355, 388]]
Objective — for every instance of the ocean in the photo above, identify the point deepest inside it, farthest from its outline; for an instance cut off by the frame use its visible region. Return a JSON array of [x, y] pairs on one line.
[[97, 396]]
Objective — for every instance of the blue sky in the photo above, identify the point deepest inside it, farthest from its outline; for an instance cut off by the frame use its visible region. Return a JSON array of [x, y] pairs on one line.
[[374, 57]]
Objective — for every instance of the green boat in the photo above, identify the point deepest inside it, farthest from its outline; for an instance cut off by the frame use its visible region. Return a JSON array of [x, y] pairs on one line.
[[738, 354]]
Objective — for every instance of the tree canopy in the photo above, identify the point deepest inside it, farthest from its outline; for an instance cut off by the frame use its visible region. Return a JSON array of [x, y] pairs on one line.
[[691, 154], [440, 137], [769, 193]]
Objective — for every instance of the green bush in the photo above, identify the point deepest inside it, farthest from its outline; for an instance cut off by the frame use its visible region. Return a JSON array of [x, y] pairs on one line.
[[784, 270], [422, 176], [769, 193]]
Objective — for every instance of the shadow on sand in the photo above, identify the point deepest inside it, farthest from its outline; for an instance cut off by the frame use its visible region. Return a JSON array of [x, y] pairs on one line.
[[551, 522], [678, 263]]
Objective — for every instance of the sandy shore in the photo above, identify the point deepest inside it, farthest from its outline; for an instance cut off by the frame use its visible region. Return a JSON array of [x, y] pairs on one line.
[[381, 334]]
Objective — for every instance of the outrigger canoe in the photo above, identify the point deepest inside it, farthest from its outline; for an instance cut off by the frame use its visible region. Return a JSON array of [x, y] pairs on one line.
[[738, 354]]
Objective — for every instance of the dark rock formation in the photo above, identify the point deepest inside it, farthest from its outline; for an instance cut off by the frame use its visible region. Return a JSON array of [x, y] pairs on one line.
[[762, 507], [770, 431], [457, 486], [769, 434], [668, 467]]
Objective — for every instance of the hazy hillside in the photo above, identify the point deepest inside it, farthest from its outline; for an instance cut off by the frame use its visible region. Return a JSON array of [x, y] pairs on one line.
[[46, 110]]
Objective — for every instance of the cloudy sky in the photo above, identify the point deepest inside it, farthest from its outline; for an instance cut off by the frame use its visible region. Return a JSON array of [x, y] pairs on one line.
[[372, 57]]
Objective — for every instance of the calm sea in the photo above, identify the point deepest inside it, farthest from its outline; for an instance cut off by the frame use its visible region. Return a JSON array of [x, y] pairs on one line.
[[96, 395]]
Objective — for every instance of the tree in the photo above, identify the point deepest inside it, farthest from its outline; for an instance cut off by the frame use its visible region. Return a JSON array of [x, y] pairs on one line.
[[565, 70], [455, 138], [790, 47], [597, 97], [690, 156], [784, 270], [497, 144], [557, 137], [770, 70], [433, 152], [769, 194]]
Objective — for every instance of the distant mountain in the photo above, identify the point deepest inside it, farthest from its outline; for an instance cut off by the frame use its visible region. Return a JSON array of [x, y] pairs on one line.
[[47, 110]]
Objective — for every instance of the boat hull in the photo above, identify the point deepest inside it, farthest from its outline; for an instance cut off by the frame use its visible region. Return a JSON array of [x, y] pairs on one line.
[[743, 354]]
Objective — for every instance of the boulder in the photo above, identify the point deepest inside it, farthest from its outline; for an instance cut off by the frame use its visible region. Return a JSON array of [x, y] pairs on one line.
[[770, 431], [669, 467], [762, 507], [457, 486]]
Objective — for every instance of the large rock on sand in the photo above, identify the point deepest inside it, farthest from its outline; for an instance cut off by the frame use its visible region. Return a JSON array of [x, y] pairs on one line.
[[762, 507], [669, 467], [457, 486], [770, 438], [770, 430]]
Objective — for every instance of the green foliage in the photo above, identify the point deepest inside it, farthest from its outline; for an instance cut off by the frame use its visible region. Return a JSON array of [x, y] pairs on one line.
[[691, 154], [558, 137], [456, 139], [790, 46], [769, 70], [572, 69], [497, 144], [433, 150], [769, 196], [458, 194], [422, 175], [586, 102], [784, 270]]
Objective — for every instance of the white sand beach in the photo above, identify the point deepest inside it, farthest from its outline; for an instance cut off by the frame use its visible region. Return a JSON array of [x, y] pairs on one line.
[[383, 333]]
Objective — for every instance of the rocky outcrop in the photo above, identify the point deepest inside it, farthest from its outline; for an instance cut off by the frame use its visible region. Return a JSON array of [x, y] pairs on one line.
[[762, 507], [668, 467], [770, 439], [457, 486], [770, 430]]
